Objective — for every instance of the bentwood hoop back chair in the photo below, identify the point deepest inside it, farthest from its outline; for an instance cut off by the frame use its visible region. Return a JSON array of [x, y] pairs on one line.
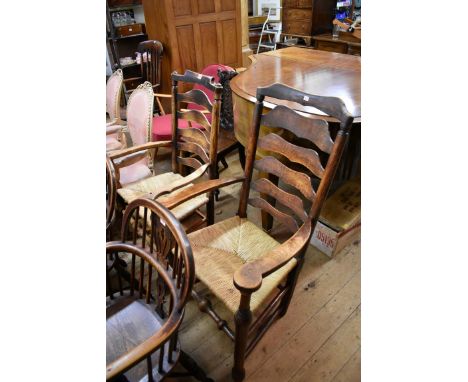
[[143, 319], [115, 139], [241, 264], [191, 148], [111, 194]]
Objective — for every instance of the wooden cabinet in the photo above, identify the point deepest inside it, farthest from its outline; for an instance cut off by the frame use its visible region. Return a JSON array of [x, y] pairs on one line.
[[194, 33], [344, 43], [305, 18]]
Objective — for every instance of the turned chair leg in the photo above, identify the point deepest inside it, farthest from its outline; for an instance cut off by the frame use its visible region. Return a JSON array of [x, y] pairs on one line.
[[243, 318], [242, 156], [291, 284]]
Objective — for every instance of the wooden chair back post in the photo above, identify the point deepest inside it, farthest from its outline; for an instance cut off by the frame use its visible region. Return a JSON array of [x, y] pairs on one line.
[[111, 193], [161, 273], [317, 135], [151, 57]]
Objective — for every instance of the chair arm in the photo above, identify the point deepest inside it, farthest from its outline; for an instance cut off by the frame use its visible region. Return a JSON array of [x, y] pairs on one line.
[[162, 95], [127, 157], [115, 129], [135, 149], [198, 189], [132, 79], [249, 277]]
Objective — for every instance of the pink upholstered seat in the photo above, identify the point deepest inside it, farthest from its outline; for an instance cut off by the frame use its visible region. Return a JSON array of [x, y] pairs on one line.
[[162, 128], [134, 173]]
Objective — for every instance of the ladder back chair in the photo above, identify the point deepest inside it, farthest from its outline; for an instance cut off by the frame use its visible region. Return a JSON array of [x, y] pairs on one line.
[[253, 274], [143, 317], [115, 140], [192, 148], [227, 142]]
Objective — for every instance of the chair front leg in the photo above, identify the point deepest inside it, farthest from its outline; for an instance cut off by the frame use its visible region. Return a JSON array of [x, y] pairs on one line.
[[243, 319]]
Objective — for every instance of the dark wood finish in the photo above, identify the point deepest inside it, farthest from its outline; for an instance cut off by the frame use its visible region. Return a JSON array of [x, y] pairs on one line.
[[248, 278], [151, 52], [311, 71], [148, 314], [195, 33], [306, 18], [130, 30], [344, 43], [123, 3], [191, 147], [111, 194]]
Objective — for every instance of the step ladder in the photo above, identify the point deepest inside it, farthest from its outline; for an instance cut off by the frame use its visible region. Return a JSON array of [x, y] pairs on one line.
[[270, 33]]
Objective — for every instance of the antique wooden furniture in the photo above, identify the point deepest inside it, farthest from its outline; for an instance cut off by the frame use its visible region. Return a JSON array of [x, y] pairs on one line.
[[345, 43], [195, 33], [123, 41], [227, 142], [306, 18], [151, 53], [241, 264], [115, 139], [191, 147], [142, 322], [311, 71], [111, 193]]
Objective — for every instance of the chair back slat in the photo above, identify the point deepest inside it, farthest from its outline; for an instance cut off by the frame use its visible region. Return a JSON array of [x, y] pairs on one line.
[[197, 136], [293, 202], [285, 219], [205, 127], [195, 116], [294, 178], [190, 162], [307, 157], [198, 97], [196, 149], [314, 130], [309, 153]]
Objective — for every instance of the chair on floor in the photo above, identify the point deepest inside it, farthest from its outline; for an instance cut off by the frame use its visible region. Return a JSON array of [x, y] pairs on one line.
[[244, 266], [150, 53], [227, 142], [115, 139], [143, 316], [191, 148]]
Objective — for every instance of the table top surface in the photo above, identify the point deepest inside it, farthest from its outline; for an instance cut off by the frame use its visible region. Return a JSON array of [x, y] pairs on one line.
[[312, 71]]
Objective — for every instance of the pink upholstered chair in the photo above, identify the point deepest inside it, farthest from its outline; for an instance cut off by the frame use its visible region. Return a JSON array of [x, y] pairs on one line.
[[115, 139], [191, 147]]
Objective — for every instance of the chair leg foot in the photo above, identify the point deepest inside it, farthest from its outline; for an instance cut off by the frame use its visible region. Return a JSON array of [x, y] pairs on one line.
[[243, 318]]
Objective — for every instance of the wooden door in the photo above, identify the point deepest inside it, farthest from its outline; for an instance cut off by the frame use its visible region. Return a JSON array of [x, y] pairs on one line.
[[207, 32]]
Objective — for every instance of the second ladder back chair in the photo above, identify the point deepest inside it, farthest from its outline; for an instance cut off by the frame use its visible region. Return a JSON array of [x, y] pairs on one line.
[[192, 148], [246, 268]]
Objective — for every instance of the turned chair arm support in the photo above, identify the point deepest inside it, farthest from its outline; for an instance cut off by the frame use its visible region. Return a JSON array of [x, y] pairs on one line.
[[249, 277], [199, 189]]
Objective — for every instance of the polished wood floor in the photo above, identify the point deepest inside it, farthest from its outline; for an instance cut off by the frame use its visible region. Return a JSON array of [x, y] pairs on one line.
[[318, 339]]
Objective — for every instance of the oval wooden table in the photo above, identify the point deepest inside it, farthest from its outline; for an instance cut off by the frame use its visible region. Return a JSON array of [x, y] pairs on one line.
[[312, 71]]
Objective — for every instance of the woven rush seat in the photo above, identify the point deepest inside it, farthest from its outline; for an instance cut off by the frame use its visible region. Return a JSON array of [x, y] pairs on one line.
[[221, 249], [152, 184]]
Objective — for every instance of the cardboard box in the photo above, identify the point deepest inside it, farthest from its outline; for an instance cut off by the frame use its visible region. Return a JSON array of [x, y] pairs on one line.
[[340, 221]]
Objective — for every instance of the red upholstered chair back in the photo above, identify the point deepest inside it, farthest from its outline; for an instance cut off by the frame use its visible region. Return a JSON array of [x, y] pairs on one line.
[[212, 71]]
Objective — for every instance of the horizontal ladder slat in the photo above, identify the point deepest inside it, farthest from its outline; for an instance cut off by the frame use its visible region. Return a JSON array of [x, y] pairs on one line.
[[284, 219]]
